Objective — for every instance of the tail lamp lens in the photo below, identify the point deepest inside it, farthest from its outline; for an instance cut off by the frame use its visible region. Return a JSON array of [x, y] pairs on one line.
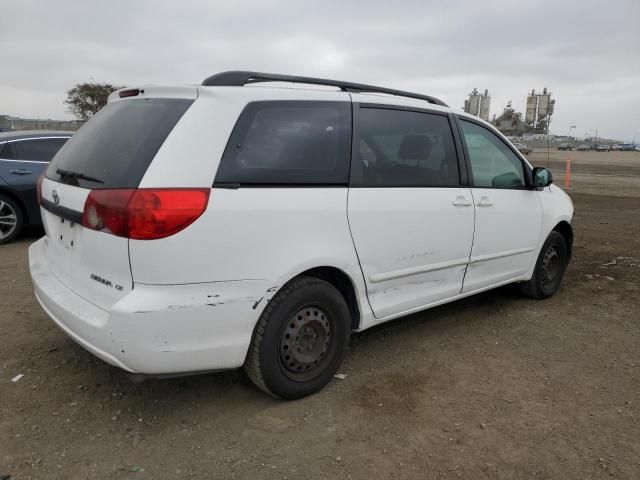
[[144, 214], [39, 189]]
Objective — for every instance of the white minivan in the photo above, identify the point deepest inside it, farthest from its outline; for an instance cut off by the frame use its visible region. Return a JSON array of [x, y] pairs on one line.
[[193, 229]]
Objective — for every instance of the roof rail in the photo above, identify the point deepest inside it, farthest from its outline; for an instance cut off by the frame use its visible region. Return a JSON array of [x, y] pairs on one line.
[[239, 78]]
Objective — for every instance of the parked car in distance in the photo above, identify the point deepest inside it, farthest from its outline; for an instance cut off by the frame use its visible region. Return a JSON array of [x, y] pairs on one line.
[[523, 148], [628, 147], [565, 146], [603, 148], [23, 158], [200, 228], [584, 148]]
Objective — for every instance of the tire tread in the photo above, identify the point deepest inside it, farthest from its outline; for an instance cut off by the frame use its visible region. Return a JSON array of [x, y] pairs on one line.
[[531, 288], [252, 363]]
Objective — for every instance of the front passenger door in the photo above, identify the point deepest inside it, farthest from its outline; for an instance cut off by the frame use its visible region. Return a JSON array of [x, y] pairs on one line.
[[508, 213]]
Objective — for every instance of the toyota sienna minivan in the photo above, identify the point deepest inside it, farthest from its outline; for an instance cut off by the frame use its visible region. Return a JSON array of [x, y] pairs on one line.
[[246, 223]]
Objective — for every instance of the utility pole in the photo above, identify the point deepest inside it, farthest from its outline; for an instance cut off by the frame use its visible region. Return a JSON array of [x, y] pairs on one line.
[[549, 144]]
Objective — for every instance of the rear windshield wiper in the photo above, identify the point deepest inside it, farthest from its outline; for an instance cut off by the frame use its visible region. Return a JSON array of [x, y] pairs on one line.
[[77, 176]]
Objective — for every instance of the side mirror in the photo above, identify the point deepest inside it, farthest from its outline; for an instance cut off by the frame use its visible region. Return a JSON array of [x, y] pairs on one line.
[[542, 177]]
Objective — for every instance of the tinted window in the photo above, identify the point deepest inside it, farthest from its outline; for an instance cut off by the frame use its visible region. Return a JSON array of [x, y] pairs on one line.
[[117, 145], [6, 151], [493, 164], [41, 150], [289, 143], [399, 148]]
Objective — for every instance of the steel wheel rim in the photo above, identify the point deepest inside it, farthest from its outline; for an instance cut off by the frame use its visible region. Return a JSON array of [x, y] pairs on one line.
[[551, 266], [305, 342], [8, 219]]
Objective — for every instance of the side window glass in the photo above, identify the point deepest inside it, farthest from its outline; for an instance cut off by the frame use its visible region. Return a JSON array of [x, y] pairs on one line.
[[38, 150], [400, 148], [493, 164], [289, 142], [6, 151]]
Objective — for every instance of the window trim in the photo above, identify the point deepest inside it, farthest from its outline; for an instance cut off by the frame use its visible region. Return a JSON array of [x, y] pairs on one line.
[[3, 146], [5, 142], [275, 103], [238, 185], [355, 141], [526, 168]]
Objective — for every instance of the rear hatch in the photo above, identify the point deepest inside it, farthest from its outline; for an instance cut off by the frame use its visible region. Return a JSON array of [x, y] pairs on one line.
[[111, 152]]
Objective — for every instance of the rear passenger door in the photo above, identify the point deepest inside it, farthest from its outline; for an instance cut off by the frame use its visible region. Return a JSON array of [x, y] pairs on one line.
[[25, 161], [508, 212], [411, 218]]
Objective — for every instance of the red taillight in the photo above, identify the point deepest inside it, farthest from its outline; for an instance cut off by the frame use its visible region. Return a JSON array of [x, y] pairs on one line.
[[146, 213], [132, 92], [160, 213], [106, 211], [39, 189]]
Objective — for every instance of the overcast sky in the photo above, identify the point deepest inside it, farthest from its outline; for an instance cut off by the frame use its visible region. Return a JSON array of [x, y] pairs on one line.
[[585, 52]]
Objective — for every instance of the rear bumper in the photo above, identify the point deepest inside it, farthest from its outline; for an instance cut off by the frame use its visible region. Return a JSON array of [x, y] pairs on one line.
[[156, 329]]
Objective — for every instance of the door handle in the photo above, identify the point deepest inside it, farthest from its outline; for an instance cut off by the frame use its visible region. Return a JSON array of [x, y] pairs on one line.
[[20, 171], [484, 202], [460, 201]]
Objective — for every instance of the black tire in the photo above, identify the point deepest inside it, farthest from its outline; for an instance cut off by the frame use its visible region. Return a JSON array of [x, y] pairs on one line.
[[291, 357], [10, 210], [549, 270]]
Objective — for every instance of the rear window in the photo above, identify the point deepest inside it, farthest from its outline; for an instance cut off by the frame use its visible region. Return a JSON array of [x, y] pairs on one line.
[[289, 142], [6, 151], [114, 148], [39, 150]]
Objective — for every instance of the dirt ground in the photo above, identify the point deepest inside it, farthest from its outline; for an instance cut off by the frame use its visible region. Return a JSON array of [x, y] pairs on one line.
[[600, 173], [495, 386]]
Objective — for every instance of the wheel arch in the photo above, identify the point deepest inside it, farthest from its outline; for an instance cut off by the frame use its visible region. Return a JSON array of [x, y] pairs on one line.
[[343, 283], [564, 228]]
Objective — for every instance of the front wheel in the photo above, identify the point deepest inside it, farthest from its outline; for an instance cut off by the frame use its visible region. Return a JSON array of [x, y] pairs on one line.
[[300, 339], [550, 268]]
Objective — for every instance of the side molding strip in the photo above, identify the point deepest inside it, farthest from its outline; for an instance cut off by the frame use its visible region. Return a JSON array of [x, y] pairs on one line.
[[405, 272], [493, 256]]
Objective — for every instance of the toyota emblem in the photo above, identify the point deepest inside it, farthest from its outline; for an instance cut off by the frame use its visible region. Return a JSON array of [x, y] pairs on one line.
[[56, 198]]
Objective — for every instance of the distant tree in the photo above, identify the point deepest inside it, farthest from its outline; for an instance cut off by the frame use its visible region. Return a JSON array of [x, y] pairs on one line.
[[85, 99]]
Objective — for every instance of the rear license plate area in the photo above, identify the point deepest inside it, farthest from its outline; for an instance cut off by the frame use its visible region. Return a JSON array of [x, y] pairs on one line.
[[64, 233]]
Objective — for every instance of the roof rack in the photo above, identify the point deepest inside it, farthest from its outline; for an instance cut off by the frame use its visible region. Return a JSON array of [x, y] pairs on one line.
[[239, 78]]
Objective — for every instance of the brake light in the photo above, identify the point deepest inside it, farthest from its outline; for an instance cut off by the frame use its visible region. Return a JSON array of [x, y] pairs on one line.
[[132, 92], [145, 213], [39, 189]]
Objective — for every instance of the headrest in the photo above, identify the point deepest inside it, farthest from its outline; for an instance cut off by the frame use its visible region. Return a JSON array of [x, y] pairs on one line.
[[415, 147]]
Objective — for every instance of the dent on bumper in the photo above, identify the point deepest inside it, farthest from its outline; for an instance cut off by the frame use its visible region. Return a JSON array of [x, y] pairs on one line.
[[157, 329]]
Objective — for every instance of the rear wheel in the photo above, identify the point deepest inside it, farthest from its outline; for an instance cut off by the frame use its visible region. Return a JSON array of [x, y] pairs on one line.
[[300, 339], [11, 219], [550, 268]]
